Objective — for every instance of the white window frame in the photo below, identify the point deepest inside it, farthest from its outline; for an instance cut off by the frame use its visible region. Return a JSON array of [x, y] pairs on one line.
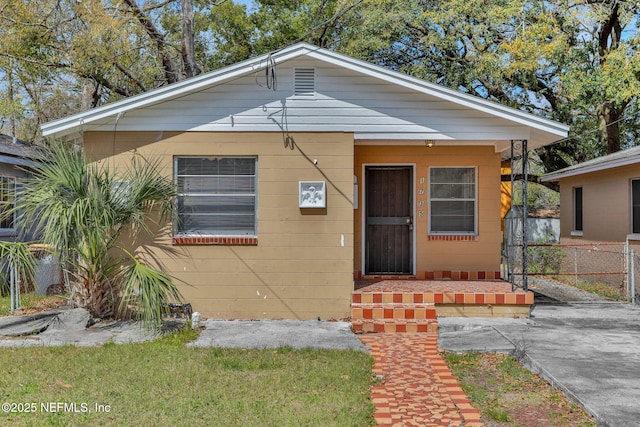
[[12, 182], [216, 233], [432, 199]]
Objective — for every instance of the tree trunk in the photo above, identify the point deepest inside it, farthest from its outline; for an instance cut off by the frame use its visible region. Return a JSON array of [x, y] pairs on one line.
[[188, 51], [609, 122]]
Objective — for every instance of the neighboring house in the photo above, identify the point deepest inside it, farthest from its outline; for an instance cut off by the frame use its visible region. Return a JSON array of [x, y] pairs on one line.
[[16, 157], [297, 178], [600, 198]]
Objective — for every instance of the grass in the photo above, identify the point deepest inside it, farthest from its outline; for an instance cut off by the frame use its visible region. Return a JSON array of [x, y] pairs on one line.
[[506, 394], [166, 383], [601, 289]]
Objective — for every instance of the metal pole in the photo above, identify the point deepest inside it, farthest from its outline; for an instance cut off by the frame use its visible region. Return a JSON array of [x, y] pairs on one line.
[[525, 214], [633, 277], [14, 288], [11, 288], [627, 274], [575, 265]]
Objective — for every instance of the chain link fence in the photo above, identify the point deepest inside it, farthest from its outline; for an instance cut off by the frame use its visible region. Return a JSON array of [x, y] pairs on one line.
[[606, 268]]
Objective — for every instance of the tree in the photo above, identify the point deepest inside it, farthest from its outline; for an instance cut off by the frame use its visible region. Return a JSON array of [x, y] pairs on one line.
[[575, 61], [572, 61], [84, 212], [602, 77], [95, 51]]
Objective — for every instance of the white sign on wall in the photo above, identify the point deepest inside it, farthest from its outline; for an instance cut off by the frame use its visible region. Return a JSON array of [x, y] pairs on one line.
[[313, 194]]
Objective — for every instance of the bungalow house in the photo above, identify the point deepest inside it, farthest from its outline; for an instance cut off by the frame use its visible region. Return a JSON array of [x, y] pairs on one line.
[[302, 170], [600, 199], [16, 157]]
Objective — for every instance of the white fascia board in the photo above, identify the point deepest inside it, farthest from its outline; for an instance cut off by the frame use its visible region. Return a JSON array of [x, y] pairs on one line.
[[580, 170]]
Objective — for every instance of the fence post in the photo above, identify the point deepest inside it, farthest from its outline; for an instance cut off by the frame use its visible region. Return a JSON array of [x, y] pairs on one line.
[[627, 271], [575, 265], [633, 277], [14, 287]]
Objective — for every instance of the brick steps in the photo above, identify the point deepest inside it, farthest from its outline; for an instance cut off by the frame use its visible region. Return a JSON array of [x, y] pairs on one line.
[[393, 317], [394, 325], [414, 305], [393, 311]]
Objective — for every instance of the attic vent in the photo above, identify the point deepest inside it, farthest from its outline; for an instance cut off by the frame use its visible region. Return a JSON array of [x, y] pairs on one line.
[[304, 82]]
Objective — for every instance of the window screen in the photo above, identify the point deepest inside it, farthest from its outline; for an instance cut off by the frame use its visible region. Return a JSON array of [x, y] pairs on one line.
[[216, 195]]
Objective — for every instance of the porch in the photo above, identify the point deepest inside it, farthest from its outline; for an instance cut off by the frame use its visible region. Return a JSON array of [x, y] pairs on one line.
[[411, 305]]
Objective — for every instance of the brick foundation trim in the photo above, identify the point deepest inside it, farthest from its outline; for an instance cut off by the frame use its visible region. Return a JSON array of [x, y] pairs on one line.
[[456, 238], [462, 275], [434, 275], [215, 240]]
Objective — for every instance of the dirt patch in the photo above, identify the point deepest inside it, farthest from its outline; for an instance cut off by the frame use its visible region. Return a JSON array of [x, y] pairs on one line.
[[39, 305], [506, 394]]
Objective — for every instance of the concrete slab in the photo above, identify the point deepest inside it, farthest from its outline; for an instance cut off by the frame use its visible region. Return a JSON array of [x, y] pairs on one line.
[[67, 327], [15, 326], [278, 333], [591, 351]]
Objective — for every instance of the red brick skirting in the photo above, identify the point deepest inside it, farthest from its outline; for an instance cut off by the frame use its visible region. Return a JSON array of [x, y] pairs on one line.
[[435, 275], [217, 240], [463, 238]]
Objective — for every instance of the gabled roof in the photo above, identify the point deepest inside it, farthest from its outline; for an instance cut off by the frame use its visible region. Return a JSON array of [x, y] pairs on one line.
[[542, 129], [626, 157]]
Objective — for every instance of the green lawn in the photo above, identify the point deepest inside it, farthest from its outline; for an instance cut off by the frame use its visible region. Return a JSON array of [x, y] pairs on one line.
[[165, 383]]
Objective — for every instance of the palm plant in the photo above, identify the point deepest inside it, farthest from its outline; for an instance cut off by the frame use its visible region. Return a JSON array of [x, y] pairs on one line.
[[83, 210]]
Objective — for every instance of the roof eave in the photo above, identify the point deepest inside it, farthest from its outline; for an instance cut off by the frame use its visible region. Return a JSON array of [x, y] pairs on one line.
[[71, 124], [575, 171]]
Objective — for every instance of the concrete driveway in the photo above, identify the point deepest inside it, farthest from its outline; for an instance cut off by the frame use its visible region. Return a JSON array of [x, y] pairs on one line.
[[591, 351]]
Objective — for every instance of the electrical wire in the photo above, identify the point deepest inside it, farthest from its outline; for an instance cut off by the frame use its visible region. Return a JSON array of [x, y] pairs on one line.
[[271, 77]]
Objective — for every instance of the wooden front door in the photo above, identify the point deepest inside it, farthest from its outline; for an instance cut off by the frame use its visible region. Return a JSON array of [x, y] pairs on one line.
[[389, 220]]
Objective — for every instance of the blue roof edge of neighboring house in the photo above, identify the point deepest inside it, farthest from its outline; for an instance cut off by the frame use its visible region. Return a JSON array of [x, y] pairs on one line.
[[626, 157], [14, 151]]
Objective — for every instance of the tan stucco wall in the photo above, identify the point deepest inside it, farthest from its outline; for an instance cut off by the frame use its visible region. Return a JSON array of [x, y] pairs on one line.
[[606, 204], [301, 267], [481, 254]]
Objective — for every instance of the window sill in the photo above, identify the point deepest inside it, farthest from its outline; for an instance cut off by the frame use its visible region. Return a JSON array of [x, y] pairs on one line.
[[576, 234], [633, 237], [215, 240]]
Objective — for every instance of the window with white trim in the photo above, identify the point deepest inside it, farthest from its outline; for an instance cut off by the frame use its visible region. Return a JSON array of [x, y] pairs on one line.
[[635, 206], [216, 196], [452, 200], [7, 202]]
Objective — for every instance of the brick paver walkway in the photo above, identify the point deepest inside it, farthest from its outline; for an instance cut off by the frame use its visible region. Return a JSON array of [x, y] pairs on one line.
[[416, 386]]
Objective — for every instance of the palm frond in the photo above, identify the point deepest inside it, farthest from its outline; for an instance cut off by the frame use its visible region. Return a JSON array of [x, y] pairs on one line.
[[148, 291]]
